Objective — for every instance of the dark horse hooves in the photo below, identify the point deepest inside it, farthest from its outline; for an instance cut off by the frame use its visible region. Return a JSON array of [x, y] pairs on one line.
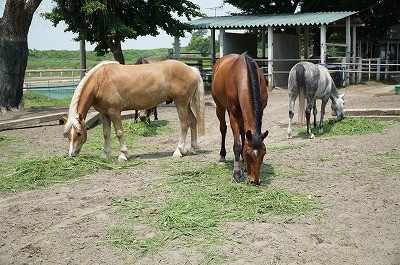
[[236, 177]]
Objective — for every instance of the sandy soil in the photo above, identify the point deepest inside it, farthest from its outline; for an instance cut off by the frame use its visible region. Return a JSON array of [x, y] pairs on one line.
[[359, 224]]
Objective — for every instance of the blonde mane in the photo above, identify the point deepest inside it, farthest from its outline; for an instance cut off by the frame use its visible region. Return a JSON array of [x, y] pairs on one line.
[[73, 107]]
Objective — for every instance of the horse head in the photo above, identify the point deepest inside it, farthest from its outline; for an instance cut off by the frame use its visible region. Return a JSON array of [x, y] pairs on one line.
[[338, 107], [75, 131], [253, 155]]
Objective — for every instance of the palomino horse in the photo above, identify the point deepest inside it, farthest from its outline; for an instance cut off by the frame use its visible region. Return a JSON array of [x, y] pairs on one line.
[[145, 114], [111, 88], [310, 81], [239, 87]]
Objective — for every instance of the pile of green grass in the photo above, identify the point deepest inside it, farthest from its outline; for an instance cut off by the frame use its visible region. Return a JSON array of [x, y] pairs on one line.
[[195, 202], [36, 173], [349, 126]]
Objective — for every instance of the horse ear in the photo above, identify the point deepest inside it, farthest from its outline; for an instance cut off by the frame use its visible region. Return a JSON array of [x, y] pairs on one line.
[[342, 95], [80, 117], [249, 135], [264, 135], [65, 119]]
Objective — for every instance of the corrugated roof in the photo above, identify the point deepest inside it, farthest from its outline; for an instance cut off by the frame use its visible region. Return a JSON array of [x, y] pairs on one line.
[[274, 20]]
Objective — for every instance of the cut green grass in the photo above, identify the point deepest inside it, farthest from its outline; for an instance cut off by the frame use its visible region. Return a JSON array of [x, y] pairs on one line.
[[36, 173], [349, 126], [285, 147], [195, 202]]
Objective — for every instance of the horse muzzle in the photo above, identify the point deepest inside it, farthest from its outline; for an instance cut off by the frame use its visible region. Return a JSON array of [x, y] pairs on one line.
[[74, 152]]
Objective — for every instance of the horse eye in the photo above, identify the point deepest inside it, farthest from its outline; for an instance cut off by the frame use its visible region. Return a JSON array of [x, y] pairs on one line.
[[78, 133]]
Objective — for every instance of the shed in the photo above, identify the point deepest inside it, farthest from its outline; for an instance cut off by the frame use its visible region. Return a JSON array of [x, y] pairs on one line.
[[282, 47]]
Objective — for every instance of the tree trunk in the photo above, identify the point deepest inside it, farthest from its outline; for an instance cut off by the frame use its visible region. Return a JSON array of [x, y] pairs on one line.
[[14, 27], [116, 49]]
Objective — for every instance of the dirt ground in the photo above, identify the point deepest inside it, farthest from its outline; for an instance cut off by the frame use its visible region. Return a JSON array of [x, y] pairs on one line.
[[359, 224]]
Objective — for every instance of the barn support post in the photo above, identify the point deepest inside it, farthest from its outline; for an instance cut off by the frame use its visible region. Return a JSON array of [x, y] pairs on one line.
[[306, 42], [354, 53], [270, 58], [212, 47], [263, 43], [348, 46], [221, 42], [323, 44]]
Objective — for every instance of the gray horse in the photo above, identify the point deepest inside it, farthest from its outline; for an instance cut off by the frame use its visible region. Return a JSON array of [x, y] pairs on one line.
[[310, 81]]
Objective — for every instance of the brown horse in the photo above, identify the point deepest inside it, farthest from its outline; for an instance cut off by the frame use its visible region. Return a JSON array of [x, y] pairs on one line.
[[239, 87], [111, 88]]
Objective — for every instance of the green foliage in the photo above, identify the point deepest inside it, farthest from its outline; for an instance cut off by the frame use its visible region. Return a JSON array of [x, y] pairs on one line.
[[200, 43], [53, 59], [108, 23]]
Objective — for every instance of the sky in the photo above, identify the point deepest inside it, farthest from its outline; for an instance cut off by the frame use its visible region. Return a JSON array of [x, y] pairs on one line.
[[43, 36]]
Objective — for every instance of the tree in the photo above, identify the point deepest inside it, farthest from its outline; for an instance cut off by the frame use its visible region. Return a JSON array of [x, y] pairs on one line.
[[14, 27], [199, 43], [109, 22]]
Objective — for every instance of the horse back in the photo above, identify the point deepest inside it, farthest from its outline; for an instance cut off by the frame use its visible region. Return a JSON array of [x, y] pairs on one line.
[[143, 86]]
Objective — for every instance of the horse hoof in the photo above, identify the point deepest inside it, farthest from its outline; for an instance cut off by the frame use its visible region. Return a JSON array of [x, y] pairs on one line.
[[222, 160], [177, 153], [236, 177], [289, 136], [104, 155], [312, 136], [122, 158], [321, 131], [192, 151]]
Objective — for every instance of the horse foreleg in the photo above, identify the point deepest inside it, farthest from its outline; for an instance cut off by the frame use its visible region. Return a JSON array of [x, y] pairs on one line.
[[184, 120], [291, 115], [237, 149], [321, 121], [220, 111], [116, 120], [105, 119]]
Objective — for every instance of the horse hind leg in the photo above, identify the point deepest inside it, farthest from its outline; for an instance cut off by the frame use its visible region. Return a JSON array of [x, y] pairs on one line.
[[315, 111], [183, 118], [308, 117], [193, 132], [321, 121], [291, 115]]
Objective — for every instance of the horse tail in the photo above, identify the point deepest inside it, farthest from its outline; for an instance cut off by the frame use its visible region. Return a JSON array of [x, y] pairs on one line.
[[301, 86], [198, 105]]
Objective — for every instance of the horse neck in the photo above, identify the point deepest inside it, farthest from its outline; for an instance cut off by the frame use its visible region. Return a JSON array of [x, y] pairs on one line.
[[255, 93], [334, 93], [85, 102]]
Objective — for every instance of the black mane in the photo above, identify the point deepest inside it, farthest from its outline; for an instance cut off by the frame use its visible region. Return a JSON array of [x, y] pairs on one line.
[[255, 91]]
